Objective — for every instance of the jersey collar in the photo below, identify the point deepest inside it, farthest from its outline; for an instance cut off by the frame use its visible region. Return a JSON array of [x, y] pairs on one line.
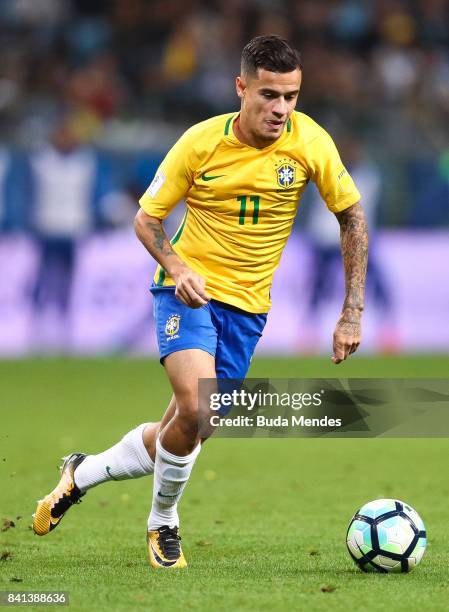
[[230, 136]]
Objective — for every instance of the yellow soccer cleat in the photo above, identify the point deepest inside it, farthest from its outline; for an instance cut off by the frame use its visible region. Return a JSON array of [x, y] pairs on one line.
[[52, 508], [164, 548]]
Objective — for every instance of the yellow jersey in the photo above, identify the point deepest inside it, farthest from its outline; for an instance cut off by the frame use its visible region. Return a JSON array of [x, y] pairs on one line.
[[241, 202]]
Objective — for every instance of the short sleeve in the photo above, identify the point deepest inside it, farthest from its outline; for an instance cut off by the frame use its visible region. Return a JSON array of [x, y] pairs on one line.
[[329, 174], [172, 180]]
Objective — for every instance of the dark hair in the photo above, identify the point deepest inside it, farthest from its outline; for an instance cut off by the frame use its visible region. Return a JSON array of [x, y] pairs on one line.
[[272, 53]]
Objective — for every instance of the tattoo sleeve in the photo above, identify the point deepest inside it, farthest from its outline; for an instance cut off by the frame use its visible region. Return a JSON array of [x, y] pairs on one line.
[[354, 249]]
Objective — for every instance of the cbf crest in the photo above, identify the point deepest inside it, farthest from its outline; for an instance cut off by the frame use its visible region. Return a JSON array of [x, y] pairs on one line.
[[172, 326], [286, 173]]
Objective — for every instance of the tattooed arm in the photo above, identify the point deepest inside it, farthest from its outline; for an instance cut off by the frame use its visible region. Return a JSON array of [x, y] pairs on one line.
[[190, 286], [354, 250]]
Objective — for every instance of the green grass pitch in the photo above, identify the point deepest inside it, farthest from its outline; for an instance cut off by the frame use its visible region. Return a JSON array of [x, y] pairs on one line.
[[263, 520]]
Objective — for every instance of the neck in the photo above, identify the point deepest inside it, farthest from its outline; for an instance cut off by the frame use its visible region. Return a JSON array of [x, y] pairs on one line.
[[245, 136]]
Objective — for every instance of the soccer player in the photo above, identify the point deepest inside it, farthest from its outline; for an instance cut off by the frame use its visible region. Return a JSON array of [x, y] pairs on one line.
[[242, 175]]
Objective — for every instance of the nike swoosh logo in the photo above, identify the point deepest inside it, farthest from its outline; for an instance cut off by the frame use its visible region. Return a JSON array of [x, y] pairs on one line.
[[108, 470], [211, 178]]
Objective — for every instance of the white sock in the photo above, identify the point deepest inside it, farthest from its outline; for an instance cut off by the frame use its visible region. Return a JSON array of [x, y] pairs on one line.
[[171, 474], [127, 459]]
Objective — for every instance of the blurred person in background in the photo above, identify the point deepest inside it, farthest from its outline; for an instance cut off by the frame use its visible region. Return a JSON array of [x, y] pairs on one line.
[[5, 188], [68, 182]]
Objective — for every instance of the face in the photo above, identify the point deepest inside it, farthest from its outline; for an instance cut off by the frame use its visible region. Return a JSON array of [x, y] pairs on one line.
[[268, 100]]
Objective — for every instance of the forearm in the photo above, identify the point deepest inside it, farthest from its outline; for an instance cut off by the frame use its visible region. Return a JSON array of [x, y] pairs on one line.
[[151, 234], [190, 286], [354, 249]]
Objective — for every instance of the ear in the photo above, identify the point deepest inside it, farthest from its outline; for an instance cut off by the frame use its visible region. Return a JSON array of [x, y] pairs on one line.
[[240, 87]]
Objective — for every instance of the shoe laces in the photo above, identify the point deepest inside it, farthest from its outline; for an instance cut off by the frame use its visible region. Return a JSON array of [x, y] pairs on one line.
[[169, 541], [63, 502], [64, 496]]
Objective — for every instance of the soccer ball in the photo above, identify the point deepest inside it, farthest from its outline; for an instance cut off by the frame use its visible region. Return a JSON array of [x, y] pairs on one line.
[[386, 535]]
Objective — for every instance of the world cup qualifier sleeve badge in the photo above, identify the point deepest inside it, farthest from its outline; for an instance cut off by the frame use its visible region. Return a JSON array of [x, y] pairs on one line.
[[286, 173], [172, 327]]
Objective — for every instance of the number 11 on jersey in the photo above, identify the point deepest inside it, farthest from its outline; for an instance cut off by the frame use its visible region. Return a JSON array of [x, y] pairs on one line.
[[254, 200]]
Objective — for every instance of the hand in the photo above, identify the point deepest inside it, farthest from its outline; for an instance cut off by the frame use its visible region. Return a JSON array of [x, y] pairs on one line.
[[190, 287], [347, 334]]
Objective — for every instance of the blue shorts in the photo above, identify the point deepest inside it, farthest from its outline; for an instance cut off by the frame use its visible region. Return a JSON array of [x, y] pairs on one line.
[[227, 333]]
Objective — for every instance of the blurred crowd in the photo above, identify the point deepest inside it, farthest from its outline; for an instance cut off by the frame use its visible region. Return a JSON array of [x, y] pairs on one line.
[[127, 76], [93, 93]]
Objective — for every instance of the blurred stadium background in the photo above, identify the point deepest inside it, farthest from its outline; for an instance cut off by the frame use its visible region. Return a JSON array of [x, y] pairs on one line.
[[92, 95]]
